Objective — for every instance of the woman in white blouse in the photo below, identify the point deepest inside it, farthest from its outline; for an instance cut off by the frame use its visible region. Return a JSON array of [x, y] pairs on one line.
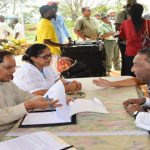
[[35, 76]]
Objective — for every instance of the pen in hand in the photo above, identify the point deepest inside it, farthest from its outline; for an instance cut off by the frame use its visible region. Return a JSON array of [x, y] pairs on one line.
[[48, 99]]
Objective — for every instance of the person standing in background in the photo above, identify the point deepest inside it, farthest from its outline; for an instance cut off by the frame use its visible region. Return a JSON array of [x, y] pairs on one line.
[[116, 55], [59, 25], [133, 31], [5, 30], [18, 29], [107, 30], [97, 18], [86, 27], [46, 33], [122, 16]]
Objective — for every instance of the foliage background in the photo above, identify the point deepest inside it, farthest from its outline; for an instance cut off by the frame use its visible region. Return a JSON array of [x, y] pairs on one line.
[[69, 9]]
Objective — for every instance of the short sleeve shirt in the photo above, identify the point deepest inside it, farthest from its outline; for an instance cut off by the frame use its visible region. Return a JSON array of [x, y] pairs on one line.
[[45, 30], [105, 28], [30, 79], [88, 26], [133, 40]]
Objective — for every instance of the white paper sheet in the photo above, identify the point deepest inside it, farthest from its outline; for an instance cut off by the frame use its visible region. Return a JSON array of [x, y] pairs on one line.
[[42, 118], [34, 141], [61, 115], [83, 105], [57, 91]]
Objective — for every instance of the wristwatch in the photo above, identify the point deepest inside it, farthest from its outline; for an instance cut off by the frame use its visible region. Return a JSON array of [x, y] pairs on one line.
[[135, 114]]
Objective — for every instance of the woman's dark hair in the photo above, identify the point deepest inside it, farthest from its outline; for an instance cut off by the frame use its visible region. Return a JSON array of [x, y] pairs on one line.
[[136, 12], [33, 51], [4, 53]]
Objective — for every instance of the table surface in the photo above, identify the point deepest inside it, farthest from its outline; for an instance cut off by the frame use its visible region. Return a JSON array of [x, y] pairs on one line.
[[95, 131]]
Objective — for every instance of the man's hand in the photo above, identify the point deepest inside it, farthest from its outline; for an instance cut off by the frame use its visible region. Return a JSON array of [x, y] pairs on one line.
[[139, 101], [102, 82], [73, 86], [68, 44], [70, 40], [41, 103], [69, 99], [130, 109], [111, 32]]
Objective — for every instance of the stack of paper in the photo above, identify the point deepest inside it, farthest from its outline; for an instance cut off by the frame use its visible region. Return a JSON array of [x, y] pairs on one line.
[[35, 141]]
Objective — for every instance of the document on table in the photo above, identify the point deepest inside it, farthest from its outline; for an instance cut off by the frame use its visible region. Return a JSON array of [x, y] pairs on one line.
[[63, 114], [83, 105], [41, 118], [57, 92], [34, 141]]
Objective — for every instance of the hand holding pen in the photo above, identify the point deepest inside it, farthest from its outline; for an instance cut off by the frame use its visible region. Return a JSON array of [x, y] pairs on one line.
[[53, 103]]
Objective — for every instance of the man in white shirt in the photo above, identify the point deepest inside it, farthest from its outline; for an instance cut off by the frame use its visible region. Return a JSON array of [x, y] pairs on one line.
[[138, 108], [5, 30], [18, 29]]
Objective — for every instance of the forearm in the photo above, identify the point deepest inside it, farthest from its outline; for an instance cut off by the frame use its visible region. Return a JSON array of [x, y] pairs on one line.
[[41, 92], [80, 34], [49, 42], [106, 35], [126, 82], [11, 114]]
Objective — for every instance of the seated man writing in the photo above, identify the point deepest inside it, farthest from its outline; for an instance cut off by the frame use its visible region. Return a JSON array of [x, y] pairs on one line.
[[138, 108], [35, 76], [15, 103]]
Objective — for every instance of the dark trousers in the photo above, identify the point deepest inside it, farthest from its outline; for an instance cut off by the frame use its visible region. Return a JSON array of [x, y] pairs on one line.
[[127, 61], [128, 65], [122, 48]]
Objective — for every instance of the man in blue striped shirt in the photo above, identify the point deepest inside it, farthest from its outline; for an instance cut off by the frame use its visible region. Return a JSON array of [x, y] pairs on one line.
[[59, 25]]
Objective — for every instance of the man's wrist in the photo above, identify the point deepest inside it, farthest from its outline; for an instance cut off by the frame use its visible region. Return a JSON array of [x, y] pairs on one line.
[[147, 102], [28, 105], [135, 114]]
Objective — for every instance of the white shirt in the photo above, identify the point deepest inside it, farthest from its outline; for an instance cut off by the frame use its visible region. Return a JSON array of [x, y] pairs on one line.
[[18, 29], [4, 29], [30, 79], [143, 118]]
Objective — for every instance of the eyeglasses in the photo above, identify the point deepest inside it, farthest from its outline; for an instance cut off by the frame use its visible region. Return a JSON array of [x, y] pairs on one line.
[[46, 56]]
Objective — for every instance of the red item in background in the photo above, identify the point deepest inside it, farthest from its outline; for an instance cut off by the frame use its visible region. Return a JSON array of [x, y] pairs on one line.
[[133, 40], [64, 63], [52, 3]]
